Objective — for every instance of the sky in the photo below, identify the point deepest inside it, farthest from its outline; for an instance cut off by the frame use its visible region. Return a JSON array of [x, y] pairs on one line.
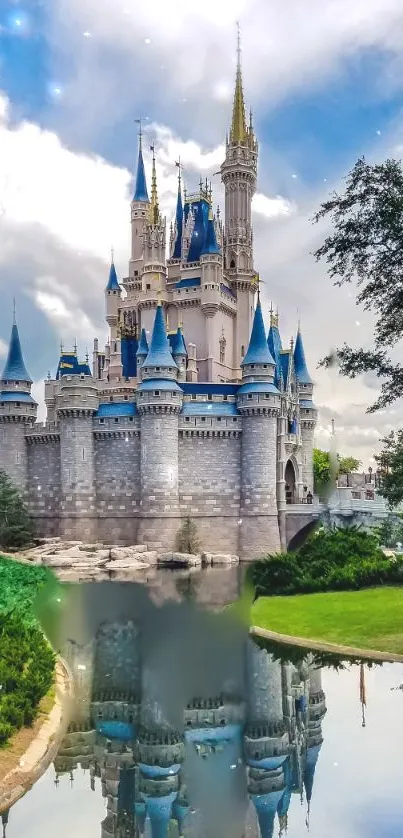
[[324, 79]]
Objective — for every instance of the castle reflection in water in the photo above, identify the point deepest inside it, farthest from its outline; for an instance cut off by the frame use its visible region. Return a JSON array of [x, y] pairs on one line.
[[225, 762]]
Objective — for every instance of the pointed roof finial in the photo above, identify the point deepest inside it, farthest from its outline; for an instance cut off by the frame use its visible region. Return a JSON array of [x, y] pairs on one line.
[[154, 208], [238, 126], [75, 346], [14, 313], [140, 191], [112, 254]]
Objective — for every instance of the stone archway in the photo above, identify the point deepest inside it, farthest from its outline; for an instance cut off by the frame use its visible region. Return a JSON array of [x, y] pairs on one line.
[[290, 483]]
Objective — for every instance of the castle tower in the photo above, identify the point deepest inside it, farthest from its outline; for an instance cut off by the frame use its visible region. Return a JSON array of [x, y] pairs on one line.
[[211, 276], [239, 175], [76, 403], [154, 240], [139, 208], [112, 300], [179, 353], [177, 233], [18, 412], [259, 404], [159, 400], [307, 410], [142, 350]]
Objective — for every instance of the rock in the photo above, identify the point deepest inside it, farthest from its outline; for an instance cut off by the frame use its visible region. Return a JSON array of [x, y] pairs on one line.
[[90, 548], [207, 558], [224, 558], [180, 559], [126, 564]]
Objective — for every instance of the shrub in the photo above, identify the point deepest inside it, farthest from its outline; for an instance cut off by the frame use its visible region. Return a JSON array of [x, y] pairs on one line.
[[329, 560], [187, 540], [16, 527]]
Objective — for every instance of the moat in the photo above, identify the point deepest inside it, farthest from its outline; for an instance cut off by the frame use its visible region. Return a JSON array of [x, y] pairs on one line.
[[183, 726]]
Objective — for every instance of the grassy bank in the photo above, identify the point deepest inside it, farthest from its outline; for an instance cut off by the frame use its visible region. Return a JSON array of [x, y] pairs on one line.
[[367, 619]]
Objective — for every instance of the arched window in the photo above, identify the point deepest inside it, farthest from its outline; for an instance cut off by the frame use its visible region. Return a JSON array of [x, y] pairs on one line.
[[232, 264]]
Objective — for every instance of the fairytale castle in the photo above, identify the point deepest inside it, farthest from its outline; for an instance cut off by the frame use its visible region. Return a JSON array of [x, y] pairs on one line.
[[192, 409]]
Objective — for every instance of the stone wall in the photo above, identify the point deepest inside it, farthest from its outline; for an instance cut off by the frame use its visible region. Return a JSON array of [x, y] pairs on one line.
[[259, 533], [44, 483], [13, 452], [117, 483]]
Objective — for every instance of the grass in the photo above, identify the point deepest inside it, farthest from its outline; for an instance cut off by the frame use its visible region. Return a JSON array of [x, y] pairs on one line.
[[367, 619]]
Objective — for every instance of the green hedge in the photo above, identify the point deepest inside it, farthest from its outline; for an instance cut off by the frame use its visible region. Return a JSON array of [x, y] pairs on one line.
[[329, 560], [26, 659]]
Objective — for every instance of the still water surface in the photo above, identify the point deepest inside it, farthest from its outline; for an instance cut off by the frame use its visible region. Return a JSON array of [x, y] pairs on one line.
[[182, 726]]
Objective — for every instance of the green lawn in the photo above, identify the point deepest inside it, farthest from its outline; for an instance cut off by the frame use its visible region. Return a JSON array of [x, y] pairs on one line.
[[367, 619]]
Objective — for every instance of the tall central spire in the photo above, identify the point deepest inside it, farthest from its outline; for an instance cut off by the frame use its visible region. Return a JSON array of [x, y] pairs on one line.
[[140, 190], [154, 208], [238, 126]]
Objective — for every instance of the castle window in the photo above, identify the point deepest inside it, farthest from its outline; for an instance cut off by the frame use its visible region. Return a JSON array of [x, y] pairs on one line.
[[116, 420], [83, 454], [265, 366], [187, 419], [193, 397], [111, 398], [18, 404], [136, 273], [126, 398], [156, 392], [252, 366], [250, 395], [115, 349], [242, 350], [232, 264], [203, 418], [130, 418], [148, 287], [157, 369], [209, 397], [17, 456], [101, 421], [235, 420], [218, 418], [225, 398]]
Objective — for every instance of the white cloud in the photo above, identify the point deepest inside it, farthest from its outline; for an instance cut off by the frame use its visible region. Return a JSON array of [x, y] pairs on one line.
[[271, 207]]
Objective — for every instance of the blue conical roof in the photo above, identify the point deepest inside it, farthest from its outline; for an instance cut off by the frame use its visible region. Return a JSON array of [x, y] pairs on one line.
[[143, 345], [178, 347], [211, 244], [310, 766], [15, 369], [177, 254], [113, 284], [275, 347], [159, 353], [301, 369], [258, 350], [140, 190]]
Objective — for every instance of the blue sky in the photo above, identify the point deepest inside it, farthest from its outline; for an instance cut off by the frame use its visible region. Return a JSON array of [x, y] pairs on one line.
[[324, 81]]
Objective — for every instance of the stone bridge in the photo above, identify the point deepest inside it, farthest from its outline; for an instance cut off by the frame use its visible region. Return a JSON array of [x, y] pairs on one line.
[[345, 507]]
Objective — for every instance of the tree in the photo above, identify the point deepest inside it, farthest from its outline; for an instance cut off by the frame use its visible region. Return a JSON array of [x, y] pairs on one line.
[[187, 539], [366, 246], [16, 528], [324, 471], [348, 465], [390, 461]]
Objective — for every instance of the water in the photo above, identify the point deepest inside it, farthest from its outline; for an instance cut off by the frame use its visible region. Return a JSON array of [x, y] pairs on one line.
[[231, 740]]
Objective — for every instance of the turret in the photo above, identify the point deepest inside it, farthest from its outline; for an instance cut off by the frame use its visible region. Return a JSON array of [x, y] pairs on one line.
[[142, 350], [239, 174], [307, 410], [259, 404], [76, 403], [139, 209], [211, 262], [154, 240], [179, 353], [112, 299], [176, 252], [18, 412], [159, 400], [275, 346]]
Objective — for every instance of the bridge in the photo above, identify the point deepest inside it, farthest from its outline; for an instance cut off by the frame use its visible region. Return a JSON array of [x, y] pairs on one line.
[[346, 506]]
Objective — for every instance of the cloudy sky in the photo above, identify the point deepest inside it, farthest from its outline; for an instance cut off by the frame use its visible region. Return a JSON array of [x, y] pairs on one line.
[[324, 78]]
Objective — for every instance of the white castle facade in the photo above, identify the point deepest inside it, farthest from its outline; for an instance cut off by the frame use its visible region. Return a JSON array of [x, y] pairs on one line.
[[192, 409]]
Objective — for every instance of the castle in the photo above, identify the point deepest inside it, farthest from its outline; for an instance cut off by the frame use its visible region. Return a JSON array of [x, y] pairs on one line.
[[192, 409]]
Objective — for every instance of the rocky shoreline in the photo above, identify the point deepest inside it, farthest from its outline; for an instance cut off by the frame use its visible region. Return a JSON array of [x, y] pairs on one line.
[[93, 559]]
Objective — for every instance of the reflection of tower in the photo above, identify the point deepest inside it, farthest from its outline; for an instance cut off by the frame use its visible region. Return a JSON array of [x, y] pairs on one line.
[[363, 694], [314, 738]]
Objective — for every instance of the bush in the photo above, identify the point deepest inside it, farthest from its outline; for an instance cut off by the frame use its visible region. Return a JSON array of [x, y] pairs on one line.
[[26, 672], [187, 540], [329, 560]]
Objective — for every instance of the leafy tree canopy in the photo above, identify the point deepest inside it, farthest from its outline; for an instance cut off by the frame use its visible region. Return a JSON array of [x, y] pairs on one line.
[[324, 470], [366, 247]]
